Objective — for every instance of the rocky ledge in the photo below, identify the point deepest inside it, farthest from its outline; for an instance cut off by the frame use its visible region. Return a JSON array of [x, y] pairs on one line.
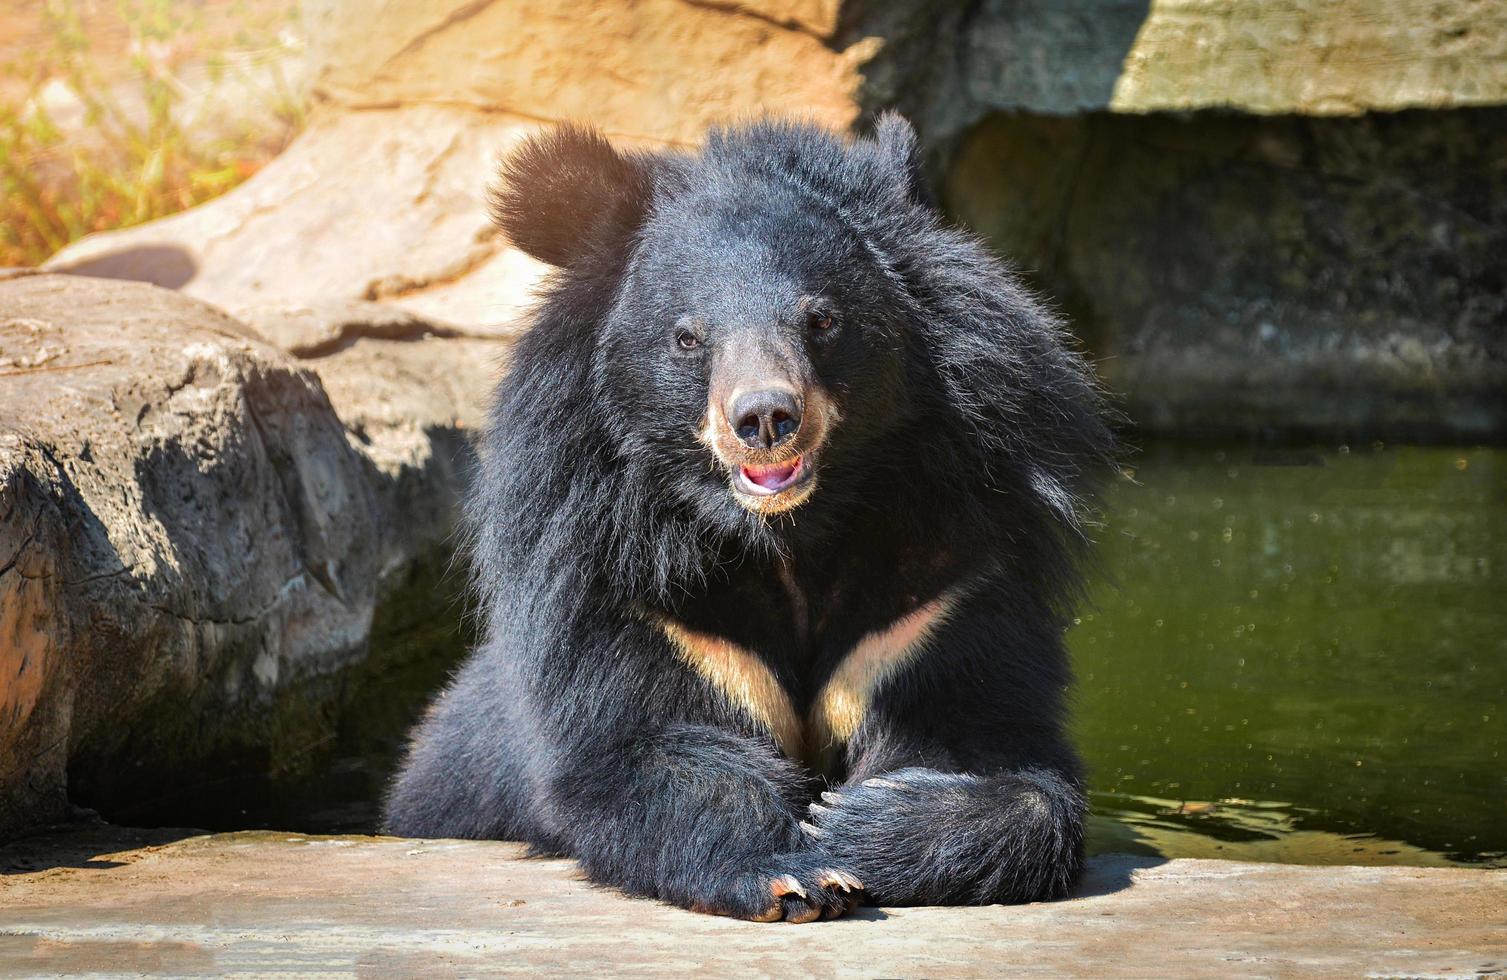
[[109, 900], [202, 536]]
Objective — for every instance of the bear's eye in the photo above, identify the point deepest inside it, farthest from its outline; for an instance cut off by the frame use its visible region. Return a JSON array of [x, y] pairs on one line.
[[819, 320], [687, 340]]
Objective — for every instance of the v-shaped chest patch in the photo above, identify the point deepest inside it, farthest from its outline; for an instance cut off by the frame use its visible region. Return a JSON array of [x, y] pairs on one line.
[[844, 700]]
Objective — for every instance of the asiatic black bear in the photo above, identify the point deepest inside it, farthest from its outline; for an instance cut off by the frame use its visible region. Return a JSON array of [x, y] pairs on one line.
[[781, 496]]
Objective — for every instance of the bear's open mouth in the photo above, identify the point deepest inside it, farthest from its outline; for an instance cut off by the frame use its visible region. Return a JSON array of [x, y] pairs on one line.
[[766, 480], [772, 488]]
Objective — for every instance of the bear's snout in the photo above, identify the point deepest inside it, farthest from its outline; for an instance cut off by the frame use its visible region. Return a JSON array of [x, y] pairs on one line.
[[764, 419]]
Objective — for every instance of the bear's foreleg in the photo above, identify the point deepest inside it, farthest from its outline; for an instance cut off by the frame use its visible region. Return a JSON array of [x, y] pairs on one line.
[[699, 817]]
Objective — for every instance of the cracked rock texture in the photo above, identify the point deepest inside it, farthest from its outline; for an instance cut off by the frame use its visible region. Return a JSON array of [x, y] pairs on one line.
[[197, 530]]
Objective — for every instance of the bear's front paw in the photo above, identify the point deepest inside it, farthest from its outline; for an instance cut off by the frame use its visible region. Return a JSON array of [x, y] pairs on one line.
[[793, 887], [924, 837], [880, 809]]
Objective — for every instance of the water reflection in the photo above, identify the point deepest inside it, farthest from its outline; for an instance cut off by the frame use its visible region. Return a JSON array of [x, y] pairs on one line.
[[1323, 629]]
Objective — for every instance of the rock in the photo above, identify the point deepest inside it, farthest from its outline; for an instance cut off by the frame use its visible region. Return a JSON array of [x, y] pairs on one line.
[[193, 547], [655, 70], [321, 329], [363, 206], [383, 197], [112, 900], [1245, 275], [950, 64]]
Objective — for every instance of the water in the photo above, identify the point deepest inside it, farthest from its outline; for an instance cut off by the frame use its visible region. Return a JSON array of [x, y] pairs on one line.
[[1298, 655], [1302, 657]]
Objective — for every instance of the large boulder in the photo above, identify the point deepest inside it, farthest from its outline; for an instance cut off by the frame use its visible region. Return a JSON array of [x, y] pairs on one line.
[[194, 546], [386, 204]]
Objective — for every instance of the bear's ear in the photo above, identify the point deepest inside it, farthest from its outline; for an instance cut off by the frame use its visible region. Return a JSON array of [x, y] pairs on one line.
[[567, 192], [897, 141]]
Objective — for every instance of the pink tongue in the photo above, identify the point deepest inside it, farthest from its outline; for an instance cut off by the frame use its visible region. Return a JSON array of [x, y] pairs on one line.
[[771, 477]]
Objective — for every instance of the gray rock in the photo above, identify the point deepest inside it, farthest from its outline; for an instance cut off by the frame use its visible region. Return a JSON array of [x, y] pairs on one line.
[[108, 900], [193, 546], [951, 63], [323, 328]]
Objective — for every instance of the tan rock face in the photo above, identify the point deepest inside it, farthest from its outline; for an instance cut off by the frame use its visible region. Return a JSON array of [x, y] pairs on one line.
[[188, 531], [365, 205], [657, 70], [383, 198]]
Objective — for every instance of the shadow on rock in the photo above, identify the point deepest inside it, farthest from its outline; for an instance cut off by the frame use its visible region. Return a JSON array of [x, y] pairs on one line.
[[1107, 874], [89, 845], [169, 266]]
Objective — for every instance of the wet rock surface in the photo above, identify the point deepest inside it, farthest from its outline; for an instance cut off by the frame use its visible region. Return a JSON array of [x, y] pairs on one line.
[[106, 899], [198, 532]]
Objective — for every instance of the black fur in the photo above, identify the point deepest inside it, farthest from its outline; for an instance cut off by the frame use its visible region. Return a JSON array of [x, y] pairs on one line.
[[970, 442]]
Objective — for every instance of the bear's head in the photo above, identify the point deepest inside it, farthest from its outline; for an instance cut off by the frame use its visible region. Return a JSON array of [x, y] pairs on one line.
[[759, 341], [757, 328]]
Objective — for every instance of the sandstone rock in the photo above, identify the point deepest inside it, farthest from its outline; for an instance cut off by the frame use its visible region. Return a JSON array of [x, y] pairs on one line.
[[383, 197], [192, 546], [364, 206], [658, 70], [131, 901]]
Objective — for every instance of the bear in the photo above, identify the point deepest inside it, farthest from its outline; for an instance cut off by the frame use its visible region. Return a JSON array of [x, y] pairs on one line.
[[777, 525]]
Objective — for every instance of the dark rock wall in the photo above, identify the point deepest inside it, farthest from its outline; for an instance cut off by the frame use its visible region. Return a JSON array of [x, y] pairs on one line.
[[1242, 274]]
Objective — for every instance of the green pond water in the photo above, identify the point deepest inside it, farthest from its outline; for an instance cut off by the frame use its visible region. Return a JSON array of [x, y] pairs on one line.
[[1301, 656], [1292, 655]]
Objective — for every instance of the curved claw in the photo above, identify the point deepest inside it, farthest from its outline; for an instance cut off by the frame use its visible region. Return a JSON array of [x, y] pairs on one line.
[[811, 830], [879, 782], [831, 798], [787, 885], [817, 810], [838, 878]]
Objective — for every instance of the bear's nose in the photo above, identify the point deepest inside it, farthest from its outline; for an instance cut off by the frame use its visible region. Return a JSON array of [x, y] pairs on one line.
[[765, 419]]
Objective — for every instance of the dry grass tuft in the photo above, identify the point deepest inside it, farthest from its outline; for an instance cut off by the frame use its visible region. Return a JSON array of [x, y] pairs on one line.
[[115, 114]]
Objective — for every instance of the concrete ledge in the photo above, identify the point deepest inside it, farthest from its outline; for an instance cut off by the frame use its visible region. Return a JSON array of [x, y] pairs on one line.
[[112, 900]]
